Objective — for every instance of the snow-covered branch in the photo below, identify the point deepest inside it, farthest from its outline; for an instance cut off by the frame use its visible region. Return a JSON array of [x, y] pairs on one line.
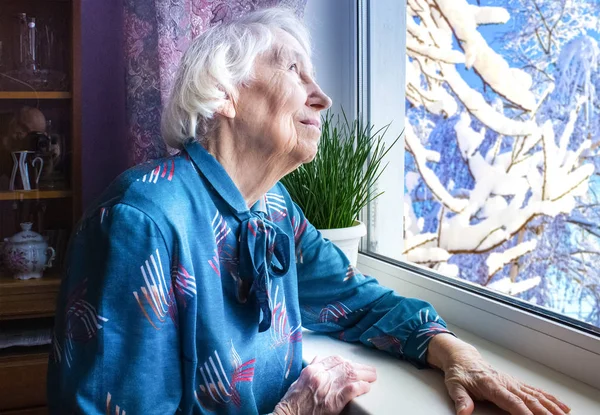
[[432, 52], [522, 164], [511, 83], [420, 154], [506, 286], [497, 260], [476, 104], [489, 15]]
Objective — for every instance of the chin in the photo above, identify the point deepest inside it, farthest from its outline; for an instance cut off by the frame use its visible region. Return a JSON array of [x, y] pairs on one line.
[[309, 155], [306, 148], [310, 158]]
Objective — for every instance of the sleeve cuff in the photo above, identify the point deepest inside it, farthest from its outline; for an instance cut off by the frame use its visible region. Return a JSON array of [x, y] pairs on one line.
[[415, 349]]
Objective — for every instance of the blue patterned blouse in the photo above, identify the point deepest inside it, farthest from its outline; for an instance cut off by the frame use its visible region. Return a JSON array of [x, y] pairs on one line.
[[177, 298]]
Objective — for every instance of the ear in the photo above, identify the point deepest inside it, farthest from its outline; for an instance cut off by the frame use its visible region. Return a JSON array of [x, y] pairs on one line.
[[227, 108]]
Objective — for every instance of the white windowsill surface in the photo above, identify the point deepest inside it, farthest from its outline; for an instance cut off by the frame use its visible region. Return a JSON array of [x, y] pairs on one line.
[[402, 389]]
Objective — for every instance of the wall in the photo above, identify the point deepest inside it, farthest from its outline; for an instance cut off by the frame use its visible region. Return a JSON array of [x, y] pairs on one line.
[[333, 32], [103, 122]]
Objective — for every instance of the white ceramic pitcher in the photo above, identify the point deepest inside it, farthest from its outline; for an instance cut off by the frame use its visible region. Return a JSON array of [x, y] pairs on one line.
[[21, 167]]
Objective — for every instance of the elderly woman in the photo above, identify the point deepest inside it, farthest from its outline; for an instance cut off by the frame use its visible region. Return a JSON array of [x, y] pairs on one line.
[[189, 282]]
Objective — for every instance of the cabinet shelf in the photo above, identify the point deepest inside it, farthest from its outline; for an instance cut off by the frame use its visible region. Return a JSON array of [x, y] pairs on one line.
[[23, 380], [35, 95], [11, 354], [29, 298], [34, 194]]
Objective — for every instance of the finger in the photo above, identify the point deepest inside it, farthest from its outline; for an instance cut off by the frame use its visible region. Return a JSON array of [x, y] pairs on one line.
[[350, 372], [506, 400], [330, 362], [366, 375], [544, 400], [462, 400], [550, 397], [363, 372], [353, 390], [360, 366], [315, 360], [534, 404]]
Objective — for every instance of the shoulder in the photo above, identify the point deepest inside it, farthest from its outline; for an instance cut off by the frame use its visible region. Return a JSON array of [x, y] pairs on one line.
[[160, 189], [280, 206], [291, 206], [155, 177], [280, 191], [300, 225]]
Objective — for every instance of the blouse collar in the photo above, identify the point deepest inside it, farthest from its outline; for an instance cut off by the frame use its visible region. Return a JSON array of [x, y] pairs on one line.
[[264, 250], [220, 181]]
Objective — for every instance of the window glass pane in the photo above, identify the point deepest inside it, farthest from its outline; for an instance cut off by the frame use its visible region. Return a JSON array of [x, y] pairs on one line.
[[501, 177]]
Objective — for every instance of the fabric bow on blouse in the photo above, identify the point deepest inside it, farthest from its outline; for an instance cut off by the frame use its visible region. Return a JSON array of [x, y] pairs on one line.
[[265, 252]]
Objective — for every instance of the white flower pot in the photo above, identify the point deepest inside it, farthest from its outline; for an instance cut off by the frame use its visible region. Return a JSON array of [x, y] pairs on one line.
[[347, 239]]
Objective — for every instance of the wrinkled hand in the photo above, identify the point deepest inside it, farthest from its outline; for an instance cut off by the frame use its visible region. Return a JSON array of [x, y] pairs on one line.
[[468, 377], [326, 386]]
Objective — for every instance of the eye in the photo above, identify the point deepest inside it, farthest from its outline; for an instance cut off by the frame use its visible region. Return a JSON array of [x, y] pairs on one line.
[[293, 67]]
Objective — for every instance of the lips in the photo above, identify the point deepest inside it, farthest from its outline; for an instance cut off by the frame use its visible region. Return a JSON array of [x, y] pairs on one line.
[[315, 123]]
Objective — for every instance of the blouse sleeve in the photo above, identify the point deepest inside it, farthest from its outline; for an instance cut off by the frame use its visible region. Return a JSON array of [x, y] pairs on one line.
[[335, 298], [115, 347]]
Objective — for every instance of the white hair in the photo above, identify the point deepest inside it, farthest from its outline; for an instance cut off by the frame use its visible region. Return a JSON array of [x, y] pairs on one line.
[[216, 64]]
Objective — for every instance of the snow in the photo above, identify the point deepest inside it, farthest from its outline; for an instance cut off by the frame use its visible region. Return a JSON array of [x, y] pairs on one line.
[[576, 63], [506, 286], [497, 260], [419, 241], [432, 52], [476, 104], [572, 157], [468, 140], [489, 15], [559, 179], [410, 220], [568, 132], [435, 98], [420, 154], [495, 205], [511, 83], [411, 180], [449, 270], [427, 255]]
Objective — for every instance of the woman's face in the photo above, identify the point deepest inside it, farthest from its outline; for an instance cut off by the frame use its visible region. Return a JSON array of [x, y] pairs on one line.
[[278, 112]]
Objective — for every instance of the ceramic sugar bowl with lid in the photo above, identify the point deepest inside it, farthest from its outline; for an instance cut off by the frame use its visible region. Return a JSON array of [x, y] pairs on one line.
[[27, 254]]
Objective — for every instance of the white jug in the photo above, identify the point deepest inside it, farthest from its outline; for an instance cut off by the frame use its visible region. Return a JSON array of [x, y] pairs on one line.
[[21, 166]]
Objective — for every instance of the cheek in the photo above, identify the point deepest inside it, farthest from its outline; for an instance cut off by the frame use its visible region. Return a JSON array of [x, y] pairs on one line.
[[286, 91], [274, 106], [285, 105], [287, 98], [297, 97]]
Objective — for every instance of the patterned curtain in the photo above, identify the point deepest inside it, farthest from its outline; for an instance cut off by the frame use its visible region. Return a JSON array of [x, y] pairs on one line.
[[157, 32]]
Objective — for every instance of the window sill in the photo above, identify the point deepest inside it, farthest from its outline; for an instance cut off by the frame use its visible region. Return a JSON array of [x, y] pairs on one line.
[[402, 389], [564, 349]]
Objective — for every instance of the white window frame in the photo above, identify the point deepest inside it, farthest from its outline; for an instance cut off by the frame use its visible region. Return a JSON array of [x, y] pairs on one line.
[[381, 92]]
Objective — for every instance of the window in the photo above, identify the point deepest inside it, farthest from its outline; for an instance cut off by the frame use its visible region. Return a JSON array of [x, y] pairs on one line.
[[501, 169]]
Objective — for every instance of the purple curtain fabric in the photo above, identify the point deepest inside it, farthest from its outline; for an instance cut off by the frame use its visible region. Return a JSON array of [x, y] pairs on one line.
[[157, 32]]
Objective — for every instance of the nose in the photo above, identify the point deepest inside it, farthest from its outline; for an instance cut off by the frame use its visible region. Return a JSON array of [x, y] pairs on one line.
[[317, 99]]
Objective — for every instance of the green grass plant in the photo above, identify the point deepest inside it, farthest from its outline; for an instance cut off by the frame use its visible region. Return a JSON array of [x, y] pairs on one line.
[[334, 188]]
